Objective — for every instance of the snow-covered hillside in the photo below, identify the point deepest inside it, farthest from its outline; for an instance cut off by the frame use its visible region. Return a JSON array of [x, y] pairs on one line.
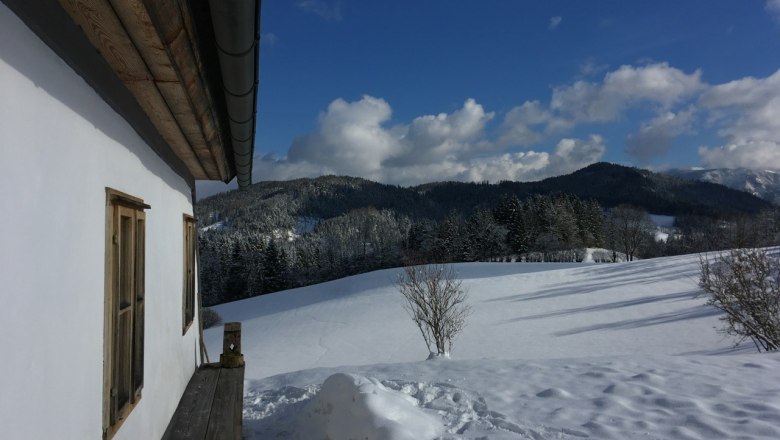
[[602, 351], [760, 183]]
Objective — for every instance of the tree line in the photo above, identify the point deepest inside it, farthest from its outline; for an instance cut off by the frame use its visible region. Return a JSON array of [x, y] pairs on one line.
[[242, 262]]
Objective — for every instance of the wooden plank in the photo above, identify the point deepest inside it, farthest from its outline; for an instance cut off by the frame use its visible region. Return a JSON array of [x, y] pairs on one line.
[[140, 29], [102, 27], [169, 68], [150, 99], [227, 407], [166, 81], [178, 101], [176, 32], [191, 418]]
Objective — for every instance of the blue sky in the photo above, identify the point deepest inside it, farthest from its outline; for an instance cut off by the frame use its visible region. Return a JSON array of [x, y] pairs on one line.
[[406, 92]]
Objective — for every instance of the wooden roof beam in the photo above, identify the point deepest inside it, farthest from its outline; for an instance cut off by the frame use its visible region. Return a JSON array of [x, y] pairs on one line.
[[152, 53]]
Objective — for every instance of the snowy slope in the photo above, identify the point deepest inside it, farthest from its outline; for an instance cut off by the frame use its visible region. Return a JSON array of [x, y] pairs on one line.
[[551, 351], [760, 183]]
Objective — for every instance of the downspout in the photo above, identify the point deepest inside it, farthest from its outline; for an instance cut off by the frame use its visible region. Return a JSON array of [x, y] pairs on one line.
[[237, 34]]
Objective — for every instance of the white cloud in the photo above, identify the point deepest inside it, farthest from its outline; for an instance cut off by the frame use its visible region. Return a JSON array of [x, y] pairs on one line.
[[569, 155], [273, 168], [555, 22], [358, 138], [591, 68], [659, 84], [757, 155], [521, 125], [585, 102], [655, 82], [573, 154], [654, 137], [327, 10], [350, 137], [430, 138], [747, 114], [354, 138], [773, 7]]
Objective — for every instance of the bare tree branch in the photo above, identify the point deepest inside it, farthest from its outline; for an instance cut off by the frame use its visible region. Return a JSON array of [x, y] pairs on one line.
[[745, 285], [436, 302]]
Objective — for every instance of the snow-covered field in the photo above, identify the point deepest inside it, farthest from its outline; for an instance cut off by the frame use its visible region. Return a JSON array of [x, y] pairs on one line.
[[602, 351]]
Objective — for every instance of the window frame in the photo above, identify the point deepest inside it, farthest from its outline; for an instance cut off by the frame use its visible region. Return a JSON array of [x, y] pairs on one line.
[[123, 352], [189, 280]]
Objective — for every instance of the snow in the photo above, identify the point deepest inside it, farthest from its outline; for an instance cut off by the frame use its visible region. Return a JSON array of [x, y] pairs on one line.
[[349, 406], [288, 235], [601, 255], [213, 227], [663, 226], [606, 351], [761, 183]]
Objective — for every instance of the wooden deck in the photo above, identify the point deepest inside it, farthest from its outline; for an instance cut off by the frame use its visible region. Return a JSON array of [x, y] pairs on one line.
[[212, 404]]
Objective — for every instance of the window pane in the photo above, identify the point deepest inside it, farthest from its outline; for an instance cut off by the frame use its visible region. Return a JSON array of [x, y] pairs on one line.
[[140, 254], [122, 360], [138, 349], [138, 327], [125, 261], [188, 302]]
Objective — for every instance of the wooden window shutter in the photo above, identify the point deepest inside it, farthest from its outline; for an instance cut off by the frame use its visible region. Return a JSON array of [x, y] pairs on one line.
[[188, 298], [125, 299]]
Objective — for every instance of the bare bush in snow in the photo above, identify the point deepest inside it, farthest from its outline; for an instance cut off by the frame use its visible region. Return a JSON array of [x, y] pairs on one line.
[[436, 302], [745, 285]]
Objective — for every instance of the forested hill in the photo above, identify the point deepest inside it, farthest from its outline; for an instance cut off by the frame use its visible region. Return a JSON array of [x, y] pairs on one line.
[[611, 185], [277, 235], [280, 204], [271, 205]]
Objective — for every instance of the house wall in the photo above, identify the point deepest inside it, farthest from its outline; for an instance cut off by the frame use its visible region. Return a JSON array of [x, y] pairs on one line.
[[61, 145]]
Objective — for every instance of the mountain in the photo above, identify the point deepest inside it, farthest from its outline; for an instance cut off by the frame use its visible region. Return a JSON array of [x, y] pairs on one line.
[[760, 183], [283, 204], [610, 185]]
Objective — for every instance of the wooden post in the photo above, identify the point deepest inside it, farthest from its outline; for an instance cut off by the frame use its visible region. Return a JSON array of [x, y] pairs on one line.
[[231, 356]]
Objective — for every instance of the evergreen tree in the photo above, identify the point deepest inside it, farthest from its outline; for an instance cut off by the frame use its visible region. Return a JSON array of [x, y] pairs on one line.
[[236, 282], [275, 268]]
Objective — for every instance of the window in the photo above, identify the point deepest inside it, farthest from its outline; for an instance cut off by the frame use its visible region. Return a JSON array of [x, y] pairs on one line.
[[124, 350], [188, 301]]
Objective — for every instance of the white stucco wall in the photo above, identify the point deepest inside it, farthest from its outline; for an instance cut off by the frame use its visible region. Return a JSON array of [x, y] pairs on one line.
[[61, 145]]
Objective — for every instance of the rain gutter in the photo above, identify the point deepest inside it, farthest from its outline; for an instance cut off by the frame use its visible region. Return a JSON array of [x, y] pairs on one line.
[[237, 34]]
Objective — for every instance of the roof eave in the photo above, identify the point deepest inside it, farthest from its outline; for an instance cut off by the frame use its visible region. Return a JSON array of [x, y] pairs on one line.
[[237, 35]]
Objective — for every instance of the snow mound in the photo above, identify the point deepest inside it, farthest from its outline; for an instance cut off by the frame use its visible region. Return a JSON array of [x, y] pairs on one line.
[[675, 397], [350, 406]]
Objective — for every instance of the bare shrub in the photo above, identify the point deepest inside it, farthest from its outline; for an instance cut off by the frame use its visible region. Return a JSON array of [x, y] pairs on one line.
[[436, 302], [745, 285], [210, 317]]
